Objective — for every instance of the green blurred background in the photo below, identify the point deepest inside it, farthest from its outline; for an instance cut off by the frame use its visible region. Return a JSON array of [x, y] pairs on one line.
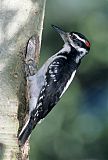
[[77, 128]]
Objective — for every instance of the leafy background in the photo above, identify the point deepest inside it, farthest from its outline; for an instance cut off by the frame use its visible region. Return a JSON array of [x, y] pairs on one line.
[[77, 128]]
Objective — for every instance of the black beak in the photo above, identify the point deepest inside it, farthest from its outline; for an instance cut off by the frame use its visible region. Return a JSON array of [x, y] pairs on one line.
[[62, 33]]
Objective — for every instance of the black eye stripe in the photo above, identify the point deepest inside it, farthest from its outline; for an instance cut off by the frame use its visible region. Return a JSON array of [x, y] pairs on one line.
[[79, 34], [77, 40], [79, 43], [74, 37], [83, 45]]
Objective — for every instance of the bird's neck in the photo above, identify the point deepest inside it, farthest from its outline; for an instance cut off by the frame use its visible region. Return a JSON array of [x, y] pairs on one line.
[[66, 48], [70, 53]]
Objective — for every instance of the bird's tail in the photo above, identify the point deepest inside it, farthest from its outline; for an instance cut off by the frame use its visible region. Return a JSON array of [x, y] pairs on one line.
[[26, 131]]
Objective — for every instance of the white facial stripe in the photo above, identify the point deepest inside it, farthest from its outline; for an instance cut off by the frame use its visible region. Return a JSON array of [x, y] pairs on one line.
[[83, 53], [83, 40], [83, 50], [78, 48]]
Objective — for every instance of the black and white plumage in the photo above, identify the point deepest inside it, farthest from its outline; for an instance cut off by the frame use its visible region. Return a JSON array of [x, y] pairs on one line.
[[53, 79]]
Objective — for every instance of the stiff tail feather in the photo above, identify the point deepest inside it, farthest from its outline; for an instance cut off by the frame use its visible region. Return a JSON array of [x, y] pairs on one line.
[[26, 131]]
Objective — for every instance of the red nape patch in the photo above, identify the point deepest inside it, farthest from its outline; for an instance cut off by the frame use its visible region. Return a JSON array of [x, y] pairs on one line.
[[87, 44]]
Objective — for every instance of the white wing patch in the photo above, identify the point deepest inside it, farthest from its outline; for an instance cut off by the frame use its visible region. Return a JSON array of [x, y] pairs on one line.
[[68, 83]]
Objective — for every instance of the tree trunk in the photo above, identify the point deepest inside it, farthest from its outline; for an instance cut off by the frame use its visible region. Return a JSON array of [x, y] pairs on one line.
[[19, 21]]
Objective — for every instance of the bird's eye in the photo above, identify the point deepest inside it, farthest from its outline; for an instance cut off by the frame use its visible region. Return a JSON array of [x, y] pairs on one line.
[[79, 43], [74, 37]]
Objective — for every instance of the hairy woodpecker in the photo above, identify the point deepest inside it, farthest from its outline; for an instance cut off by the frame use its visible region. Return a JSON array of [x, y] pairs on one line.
[[53, 78]]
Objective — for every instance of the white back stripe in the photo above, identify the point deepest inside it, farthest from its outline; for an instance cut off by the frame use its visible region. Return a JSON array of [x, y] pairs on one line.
[[68, 83]]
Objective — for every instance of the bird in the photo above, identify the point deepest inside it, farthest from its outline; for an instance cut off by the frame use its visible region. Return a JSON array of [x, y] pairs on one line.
[[53, 78]]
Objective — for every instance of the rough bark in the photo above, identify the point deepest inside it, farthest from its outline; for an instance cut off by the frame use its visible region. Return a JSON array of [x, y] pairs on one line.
[[19, 20]]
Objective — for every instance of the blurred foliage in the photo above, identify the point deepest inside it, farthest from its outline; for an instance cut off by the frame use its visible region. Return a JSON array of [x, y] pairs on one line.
[[77, 128]]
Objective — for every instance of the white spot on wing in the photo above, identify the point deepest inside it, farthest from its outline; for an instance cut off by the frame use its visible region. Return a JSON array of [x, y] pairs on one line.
[[40, 97], [55, 71], [68, 83], [39, 105], [52, 75], [42, 90], [36, 115]]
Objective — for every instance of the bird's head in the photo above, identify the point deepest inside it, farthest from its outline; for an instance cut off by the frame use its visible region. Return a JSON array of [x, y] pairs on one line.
[[75, 40]]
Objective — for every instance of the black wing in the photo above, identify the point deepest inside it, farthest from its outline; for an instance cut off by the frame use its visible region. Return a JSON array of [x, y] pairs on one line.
[[57, 76]]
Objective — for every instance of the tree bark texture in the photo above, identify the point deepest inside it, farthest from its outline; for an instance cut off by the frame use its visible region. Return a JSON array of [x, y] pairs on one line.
[[19, 20]]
